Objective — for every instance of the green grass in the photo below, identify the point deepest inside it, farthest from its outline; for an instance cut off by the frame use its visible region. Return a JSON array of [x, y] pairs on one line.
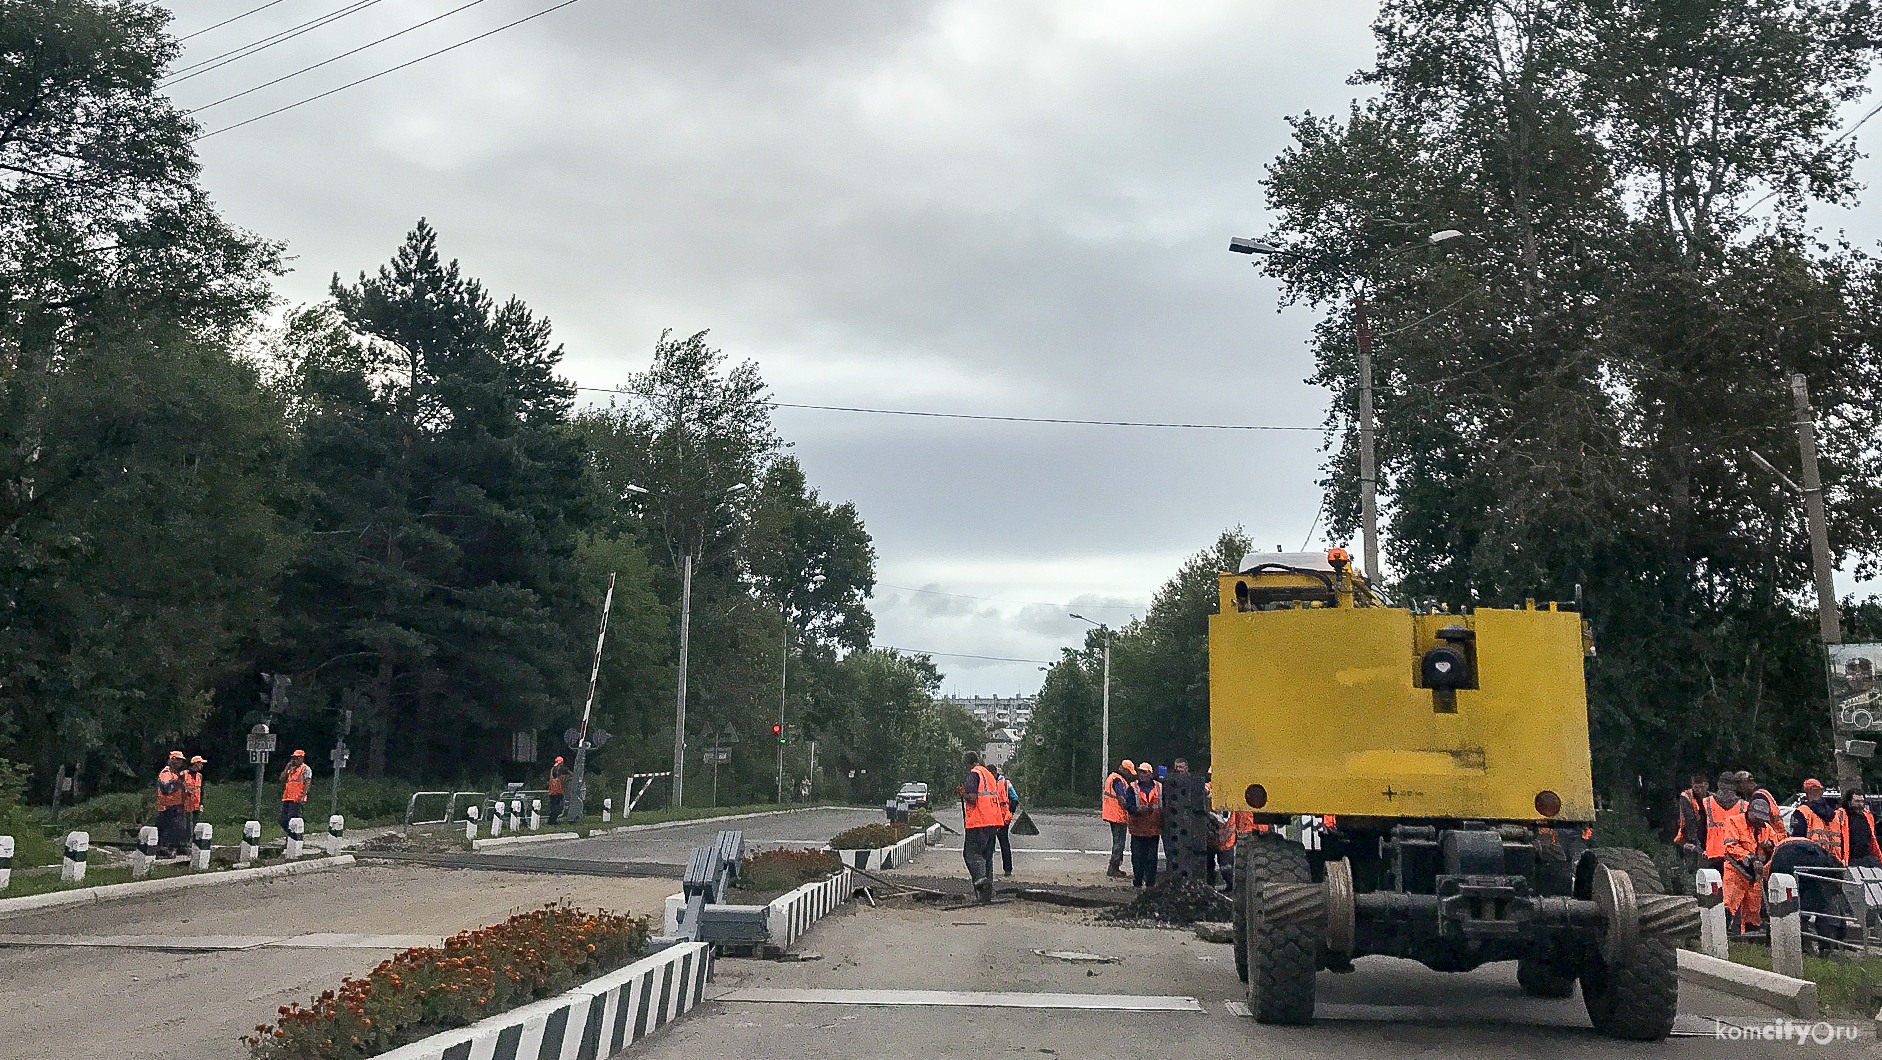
[[1845, 985], [47, 882]]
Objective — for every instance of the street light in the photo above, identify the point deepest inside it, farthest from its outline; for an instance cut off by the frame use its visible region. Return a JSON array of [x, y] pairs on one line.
[[686, 624], [1362, 333], [1104, 752]]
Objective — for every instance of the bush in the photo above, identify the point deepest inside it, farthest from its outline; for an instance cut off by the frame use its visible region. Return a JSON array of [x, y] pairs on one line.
[[126, 807], [871, 837], [784, 870], [920, 820], [478, 973], [30, 845]]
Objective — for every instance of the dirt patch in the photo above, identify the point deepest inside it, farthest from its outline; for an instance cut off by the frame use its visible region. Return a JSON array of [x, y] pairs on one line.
[[1174, 901], [441, 842]]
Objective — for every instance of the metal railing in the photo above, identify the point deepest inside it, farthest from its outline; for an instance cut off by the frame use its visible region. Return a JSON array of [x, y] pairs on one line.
[[1862, 890], [450, 806]]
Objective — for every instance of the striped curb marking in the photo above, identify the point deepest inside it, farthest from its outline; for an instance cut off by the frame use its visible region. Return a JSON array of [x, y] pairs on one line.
[[592, 1021], [885, 857], [789, 915]]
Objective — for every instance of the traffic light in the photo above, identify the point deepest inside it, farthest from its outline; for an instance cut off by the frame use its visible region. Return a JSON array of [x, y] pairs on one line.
[[778, 731]]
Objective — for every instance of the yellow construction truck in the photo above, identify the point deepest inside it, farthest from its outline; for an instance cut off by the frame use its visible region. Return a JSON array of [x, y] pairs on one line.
[[1421, 785]]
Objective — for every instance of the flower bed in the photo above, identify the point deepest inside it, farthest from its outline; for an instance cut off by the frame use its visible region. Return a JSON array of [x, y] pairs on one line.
[[476, 974], [871, 837], [783, 870]]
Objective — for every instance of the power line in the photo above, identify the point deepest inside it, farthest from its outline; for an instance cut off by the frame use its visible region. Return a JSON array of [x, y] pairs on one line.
[[388, 70], [1010, 419], [182, 74], [958, 655], [226, 21], [992, 600], [335, 59]]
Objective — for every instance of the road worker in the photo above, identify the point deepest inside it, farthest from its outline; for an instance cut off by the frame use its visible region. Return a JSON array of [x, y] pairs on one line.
[[1822, 822], [1144, 802], [1229, 824], [1863, 851], [296, 781], [558, 781], [1742, 873], [982, 813], [1720, 805], [193, 791], [172, 832], [1009, 806], [1755, 797], [1691, 836], [1112, 802], [1819, 895]]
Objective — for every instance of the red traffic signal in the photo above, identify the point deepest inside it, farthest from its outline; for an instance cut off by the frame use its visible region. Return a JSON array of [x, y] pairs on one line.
[[776, 729]]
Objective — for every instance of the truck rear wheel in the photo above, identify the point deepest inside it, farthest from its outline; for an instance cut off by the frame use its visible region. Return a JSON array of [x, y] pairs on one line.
[[1539, 978], [1637, 996], [1239, 897], [1281, 957]]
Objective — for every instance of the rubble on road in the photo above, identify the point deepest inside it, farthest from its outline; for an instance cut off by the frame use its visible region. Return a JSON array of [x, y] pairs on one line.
[[428, 842], [1174, 901]]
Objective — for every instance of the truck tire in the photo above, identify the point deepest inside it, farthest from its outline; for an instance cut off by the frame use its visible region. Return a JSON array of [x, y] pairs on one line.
[[1240, 916], [1281, 958], [1539, 978], [1635, 998]]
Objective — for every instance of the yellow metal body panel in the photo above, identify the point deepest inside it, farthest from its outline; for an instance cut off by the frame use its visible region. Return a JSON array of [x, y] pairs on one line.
[[1322, 706]]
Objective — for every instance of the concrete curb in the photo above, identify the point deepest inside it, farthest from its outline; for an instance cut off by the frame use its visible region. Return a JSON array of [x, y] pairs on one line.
[[139, 888], [526, 837], [789, 915], [599, 1018], [885, 857], [1797, 997], [539, 837]]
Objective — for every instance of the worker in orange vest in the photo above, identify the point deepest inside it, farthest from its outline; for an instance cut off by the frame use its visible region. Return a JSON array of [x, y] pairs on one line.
[[172, 832], [1144, 802], [1863, 852], [1719, 806], [1690, 838], [983, 810], [296, 781], [558, 773], [193, 790], [1755, 797], [1009, 809], [1822, 822], [1112, 803], [1229, 823], [1743, 841]]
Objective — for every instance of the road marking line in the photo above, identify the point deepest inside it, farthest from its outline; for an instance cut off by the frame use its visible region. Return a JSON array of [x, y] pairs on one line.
[[965, 999]]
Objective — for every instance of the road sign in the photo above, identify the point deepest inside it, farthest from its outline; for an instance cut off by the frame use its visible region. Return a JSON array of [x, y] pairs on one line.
[[596, 737], [717, 755], [339, 756], [257, 757], [260, 739]]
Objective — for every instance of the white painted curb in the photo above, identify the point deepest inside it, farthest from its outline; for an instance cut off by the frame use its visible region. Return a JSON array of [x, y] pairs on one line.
[[599, 1018], [932, 834], [139, 888], [526, 837], [789, 915], [479, 844], [885, 857], [1798, 997]]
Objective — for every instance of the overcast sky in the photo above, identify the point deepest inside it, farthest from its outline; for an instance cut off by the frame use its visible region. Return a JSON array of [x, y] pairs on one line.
[[981, 206]]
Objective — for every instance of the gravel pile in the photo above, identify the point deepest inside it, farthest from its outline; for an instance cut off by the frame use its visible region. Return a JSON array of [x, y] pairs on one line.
[[1174, 901]]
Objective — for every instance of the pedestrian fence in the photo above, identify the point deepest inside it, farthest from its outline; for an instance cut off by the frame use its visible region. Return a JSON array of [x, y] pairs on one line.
[[1861, 890], [450, 805]]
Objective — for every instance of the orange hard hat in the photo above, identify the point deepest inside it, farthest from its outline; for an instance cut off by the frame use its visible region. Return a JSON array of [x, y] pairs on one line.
[[176, 754], [199, 758], [558, 759], [1128, 767], [1813, 784], [298, 753]]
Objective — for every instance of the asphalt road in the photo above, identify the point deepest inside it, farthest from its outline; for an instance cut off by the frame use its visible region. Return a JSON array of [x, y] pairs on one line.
[[672, 844], [1385, 1008]]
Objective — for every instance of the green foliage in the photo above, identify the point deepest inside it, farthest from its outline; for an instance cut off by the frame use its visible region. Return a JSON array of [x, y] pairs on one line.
[[871, 837], [30, 845], [785, 870], [1846, 985], [1566, 399]]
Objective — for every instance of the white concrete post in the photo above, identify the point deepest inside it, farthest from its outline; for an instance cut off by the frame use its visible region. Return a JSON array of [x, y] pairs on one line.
[[205, 842], [6, 862], [535, 815], [297, 830], [497, 812], [516, 815], [72, 867], [336, 831], [1787, 933], [1714, 935], [251, 842], [607, 810], [145, 853], [470, 822]]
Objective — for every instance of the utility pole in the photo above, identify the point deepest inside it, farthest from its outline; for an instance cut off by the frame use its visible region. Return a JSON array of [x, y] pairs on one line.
[[679, 713], [1848, 768], [1105, 748], [784, 675], [1368, 470]]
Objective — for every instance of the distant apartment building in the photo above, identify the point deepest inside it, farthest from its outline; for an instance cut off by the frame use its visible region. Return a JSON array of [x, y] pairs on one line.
[[998, 712]]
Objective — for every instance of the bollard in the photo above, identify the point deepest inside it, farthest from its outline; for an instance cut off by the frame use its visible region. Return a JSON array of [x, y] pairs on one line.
[[470, 822], [1787, 933], [516, 815], [535, 815], [497, 811], [205, 842], [297, 830], [144, 853], [72, 868], [251, 842], [1713, 931], [6, 862], [336, 831], [607, 810]]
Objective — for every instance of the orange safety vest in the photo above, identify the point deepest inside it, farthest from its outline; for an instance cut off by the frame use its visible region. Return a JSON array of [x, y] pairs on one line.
[[1716, 818], [1741, 836], [172, 799], [1009, 797], [192, 791], [1148, 821], [295, 781], [1832, 835], [1113, 809], [555, 782], [1238, 821], [1698, 812], [989, 810]]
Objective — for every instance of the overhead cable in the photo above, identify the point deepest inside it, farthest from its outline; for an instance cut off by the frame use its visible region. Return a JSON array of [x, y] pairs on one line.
[[226, 21], [216, 62]]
